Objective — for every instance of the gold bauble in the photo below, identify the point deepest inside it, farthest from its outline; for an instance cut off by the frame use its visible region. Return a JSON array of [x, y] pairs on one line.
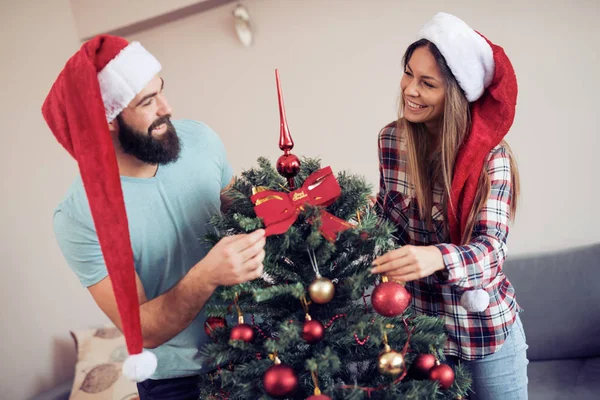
[[391, 363], [321, 290]]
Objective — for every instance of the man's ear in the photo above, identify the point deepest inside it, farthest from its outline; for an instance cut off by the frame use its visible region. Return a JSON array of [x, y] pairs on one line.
[[113, 125]]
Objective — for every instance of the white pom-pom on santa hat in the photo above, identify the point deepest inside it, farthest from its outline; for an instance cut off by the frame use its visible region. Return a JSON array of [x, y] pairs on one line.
[[139, 367], [475, 300]]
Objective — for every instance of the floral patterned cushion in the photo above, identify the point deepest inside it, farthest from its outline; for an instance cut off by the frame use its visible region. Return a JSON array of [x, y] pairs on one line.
[[100, 354]]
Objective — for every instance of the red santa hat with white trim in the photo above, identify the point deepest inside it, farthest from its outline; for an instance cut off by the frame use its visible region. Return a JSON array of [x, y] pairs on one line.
[[486, 76], [95, 85], [489, 83]]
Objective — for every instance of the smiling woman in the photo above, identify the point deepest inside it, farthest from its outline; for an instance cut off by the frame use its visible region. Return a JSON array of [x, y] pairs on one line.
[[450, 185], [422, 85]]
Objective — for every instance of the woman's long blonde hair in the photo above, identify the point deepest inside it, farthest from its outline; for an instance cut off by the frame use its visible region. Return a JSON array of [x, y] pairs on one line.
[[428, 166]]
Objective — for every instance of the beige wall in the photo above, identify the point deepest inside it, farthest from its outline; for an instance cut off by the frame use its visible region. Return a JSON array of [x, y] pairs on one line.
[[40, 299], [339, 63], [340, 66]]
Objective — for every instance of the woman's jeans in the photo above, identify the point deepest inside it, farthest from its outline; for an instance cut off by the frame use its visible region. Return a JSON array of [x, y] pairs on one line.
[[502, 375]]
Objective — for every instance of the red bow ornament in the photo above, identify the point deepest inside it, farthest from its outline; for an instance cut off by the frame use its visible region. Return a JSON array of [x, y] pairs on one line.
[[280, 210]]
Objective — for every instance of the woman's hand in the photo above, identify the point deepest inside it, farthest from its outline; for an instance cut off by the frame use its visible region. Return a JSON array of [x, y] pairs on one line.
[[409, 263], [372, 201]]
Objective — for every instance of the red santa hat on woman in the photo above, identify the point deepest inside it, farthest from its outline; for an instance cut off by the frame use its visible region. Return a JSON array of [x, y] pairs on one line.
[[96, 84], [488, 81]]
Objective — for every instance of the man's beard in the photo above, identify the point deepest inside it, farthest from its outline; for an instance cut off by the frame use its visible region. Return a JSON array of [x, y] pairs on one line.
[[151, 150]]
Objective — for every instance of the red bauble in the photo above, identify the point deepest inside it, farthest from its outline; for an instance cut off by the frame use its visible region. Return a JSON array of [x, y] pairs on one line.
[[280, 381], [313, 331], [444, 374], [213, 323], [422, 365], [242, 332], [390, 299], [288, 165], [319, 397]]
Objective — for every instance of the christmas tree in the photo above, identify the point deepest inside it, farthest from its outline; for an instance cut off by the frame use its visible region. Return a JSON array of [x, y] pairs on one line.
[[310, 328]]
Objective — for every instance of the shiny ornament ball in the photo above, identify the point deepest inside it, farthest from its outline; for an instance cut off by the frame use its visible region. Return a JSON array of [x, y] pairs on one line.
[[288, 165], [443, 374], [313, 331], [391, 363], [321, 290], [280, 381], [319, 397], [243, 332], [390, 299], [422, 365], [213, 323]]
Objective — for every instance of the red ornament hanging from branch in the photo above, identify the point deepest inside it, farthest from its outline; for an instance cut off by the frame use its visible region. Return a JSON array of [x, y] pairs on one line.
[[443, 374], [241, 331], [422, 365], [390, 298], [313, 331], [280, 380]]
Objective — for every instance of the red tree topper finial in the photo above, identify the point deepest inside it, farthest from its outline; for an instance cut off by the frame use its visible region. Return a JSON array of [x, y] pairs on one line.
[[288, 165]]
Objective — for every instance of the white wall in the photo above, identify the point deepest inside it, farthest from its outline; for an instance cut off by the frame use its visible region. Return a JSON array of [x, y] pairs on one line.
[[340, 68]]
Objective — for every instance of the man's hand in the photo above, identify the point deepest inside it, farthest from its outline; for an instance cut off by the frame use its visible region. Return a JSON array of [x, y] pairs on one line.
[[409, 263], [225, 200], [234, 259]]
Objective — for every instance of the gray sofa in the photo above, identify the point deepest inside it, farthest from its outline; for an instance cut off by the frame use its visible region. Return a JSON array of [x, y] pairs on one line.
[[560, 295]]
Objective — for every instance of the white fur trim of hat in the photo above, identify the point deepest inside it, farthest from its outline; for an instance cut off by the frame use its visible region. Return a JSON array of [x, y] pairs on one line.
[[467, 53], [125, 76]]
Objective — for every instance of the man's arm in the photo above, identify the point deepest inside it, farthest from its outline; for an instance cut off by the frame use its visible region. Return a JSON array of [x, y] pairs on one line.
[[235, 259], [163, 317]]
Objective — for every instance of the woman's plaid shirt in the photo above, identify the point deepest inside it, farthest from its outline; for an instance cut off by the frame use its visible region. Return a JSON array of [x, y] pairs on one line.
[[478, 265]]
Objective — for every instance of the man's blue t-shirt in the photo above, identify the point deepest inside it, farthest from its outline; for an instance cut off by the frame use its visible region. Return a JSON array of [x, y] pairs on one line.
[[168, 218]]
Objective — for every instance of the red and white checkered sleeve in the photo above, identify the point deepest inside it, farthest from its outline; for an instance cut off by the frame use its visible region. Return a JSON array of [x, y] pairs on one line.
[[475, 265], [379, 205]]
